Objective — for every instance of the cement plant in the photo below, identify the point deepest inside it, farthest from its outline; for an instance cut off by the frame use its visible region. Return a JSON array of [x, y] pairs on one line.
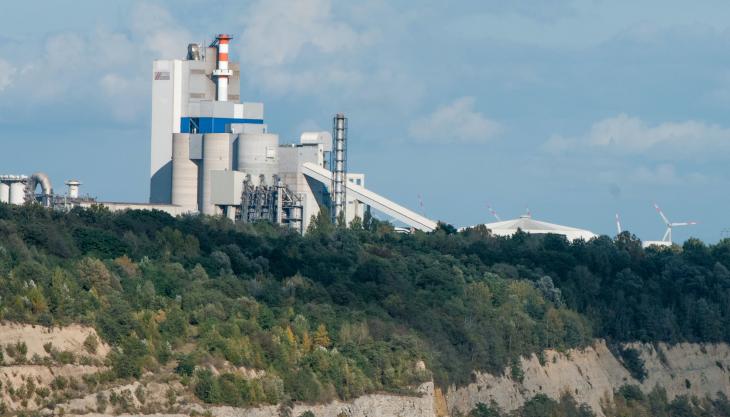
[[213, 154]]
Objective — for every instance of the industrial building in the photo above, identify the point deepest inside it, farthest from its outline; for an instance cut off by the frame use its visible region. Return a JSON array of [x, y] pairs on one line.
[[213, 154], [20, 189], [529, 225]]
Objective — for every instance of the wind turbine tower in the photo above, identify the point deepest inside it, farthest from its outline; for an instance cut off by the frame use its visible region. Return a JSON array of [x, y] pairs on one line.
[[667, 238]]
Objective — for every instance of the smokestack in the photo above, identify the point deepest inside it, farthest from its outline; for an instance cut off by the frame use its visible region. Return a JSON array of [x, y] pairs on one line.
[[222, 72]]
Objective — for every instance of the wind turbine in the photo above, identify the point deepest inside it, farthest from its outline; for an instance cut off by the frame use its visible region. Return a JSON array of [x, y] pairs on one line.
[[493, 212], [618, 224], [668, 234]]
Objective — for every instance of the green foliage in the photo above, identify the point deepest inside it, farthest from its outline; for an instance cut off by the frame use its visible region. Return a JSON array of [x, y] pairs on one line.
[[341, 312], [633, 362], [91, 343], [631, 402], [483, 410], [538, 406]]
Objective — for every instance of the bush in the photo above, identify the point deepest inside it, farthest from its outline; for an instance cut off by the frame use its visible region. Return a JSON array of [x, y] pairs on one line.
[[91, 343], [634, 364]]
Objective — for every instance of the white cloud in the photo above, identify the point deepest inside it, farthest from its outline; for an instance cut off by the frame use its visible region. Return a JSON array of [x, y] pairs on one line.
[[456, 122], [278, 30], [7, 72], [100, 69], [157, 31], [298, 47], [624, 134], [660, 174]]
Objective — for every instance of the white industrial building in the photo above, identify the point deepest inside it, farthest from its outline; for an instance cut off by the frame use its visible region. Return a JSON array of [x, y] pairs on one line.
[[213, 154], [529, 225]]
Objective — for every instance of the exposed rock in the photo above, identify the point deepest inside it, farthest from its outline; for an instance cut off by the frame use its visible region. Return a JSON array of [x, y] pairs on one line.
[[590, 375], [69, 338], [374, 405], [595, 373]]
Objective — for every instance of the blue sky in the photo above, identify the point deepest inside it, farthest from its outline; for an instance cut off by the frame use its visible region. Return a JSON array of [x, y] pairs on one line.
[[575, 109]]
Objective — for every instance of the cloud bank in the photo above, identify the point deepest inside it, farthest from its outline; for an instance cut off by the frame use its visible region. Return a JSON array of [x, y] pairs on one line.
[[456, 122]]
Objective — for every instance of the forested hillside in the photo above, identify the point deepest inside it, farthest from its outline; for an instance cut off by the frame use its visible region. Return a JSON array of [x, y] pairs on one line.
[[341, 312]]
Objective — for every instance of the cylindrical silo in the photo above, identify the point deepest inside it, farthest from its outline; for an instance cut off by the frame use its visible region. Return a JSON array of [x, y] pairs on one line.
[[216, 157], [258, 156], [4, 192], [17, 193], [184, 173]]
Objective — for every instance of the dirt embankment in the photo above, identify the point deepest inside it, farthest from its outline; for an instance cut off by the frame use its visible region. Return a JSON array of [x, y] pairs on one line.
[[42, 364]]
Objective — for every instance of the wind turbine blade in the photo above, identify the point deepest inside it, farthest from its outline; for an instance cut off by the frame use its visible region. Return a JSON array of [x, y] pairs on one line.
[[661, 213], [683, 224], [618, 224], [494, 212]]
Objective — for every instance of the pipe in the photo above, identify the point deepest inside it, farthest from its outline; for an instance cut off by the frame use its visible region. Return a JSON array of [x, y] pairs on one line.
[[46, 188]]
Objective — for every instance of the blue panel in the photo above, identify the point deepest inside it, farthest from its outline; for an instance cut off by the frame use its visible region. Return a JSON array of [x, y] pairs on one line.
[[213, 124]]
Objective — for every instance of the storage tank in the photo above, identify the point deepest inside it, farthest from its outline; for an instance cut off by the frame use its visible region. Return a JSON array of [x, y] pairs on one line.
[[216, 157], [17, 193], [4, 192], [184, 173], [258, 156], [73, 188]]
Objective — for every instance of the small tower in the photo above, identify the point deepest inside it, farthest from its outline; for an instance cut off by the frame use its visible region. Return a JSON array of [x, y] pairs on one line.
[[73, 188]]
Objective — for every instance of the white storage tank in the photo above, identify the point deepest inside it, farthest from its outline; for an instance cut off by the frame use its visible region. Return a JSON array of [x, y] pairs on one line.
[[17, 193], [184, 173], [4, 192], [73, 188], [258, 157], [216, 157]]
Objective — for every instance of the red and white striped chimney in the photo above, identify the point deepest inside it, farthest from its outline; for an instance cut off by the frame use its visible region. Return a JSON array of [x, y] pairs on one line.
[[222, 72]]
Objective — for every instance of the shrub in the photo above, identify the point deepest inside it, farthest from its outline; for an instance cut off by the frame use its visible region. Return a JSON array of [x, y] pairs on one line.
[[91, 343], [633, 362]]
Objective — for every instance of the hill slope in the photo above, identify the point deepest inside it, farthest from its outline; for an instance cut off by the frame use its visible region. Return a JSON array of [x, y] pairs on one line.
[[253, 315]]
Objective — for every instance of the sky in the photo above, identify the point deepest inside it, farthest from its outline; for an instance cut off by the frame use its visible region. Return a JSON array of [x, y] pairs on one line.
[[575, 110]]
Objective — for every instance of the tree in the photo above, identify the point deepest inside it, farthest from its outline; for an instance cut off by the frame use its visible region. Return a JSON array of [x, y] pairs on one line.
[[321, 337]]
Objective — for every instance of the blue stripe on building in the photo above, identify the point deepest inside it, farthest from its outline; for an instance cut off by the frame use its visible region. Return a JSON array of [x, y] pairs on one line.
[[213, 124]]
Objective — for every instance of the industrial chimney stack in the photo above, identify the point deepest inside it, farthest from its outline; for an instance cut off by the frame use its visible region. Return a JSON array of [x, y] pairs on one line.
[[222, 72]]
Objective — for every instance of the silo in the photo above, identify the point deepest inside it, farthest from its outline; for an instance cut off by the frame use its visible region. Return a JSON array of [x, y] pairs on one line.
[[4, 192], [184, 173], [17, 193], [258, 156], [216, 157]]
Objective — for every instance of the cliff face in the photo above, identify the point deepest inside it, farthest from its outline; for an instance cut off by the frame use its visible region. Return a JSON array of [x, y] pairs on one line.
[[594, 373], [375, 405], [591, 375]]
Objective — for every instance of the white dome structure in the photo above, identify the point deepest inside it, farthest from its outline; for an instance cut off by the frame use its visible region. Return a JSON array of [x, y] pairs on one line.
[[529, 225]]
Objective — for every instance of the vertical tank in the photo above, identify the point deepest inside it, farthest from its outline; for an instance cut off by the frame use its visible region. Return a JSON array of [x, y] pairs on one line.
[[258, 157], [216, 157], [73, 188], [4, 192], [17, 193], [184, 173]]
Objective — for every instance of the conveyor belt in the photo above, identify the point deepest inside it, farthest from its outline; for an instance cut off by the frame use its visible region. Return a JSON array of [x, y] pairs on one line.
[[372, 199]]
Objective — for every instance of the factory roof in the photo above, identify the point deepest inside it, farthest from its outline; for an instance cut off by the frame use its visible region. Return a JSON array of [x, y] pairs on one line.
[[529, 225]]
